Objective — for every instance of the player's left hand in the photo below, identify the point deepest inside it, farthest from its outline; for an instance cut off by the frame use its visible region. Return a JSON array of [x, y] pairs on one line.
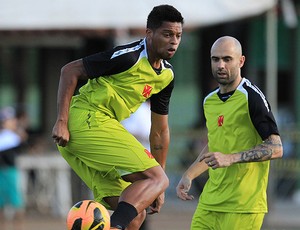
[[183, 188], [157, 204], [216, 159]]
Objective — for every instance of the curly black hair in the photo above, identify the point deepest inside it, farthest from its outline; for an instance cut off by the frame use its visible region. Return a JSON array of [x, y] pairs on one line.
[[163, 13]]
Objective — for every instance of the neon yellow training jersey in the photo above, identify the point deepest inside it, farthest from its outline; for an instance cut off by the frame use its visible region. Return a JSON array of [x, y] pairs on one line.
[[122, 79], [237, 121]]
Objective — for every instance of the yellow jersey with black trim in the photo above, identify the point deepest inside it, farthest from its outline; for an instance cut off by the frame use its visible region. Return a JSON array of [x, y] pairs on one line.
[[122, 79], [237, 121]]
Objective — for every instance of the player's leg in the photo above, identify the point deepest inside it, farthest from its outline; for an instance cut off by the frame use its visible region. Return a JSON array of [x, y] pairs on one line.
[[130, 170], [145, 188], [106, 186], [245, 221], [204, 220], [136, 222]]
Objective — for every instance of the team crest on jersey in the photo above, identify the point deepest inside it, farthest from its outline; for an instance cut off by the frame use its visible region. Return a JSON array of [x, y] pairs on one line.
[[147, 91], [220, 120], [148, 153]]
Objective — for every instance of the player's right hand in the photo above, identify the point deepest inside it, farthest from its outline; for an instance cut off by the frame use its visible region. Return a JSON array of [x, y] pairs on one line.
[[183, 188], [157, 204], [60, 133]]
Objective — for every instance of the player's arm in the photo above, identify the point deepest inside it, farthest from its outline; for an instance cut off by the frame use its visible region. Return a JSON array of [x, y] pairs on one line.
[[159, 132], [70, 74], [196, 169], [159, 144], [271, 148], [159, 138]]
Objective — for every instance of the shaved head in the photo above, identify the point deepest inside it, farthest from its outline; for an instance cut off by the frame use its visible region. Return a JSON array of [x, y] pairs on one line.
[[228, 41]]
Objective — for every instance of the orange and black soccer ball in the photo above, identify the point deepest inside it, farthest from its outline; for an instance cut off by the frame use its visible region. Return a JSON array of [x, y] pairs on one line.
[[88, 215]]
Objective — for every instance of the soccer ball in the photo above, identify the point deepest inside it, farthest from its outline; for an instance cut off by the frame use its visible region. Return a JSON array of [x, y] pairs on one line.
[[88, 215]]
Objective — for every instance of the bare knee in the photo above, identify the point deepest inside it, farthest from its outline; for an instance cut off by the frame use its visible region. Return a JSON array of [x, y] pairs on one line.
[[156, 175], [160, 178], [162, 181]]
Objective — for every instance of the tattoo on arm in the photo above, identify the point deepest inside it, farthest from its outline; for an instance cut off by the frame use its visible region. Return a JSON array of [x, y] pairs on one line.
[[258, 154], [261, 152]]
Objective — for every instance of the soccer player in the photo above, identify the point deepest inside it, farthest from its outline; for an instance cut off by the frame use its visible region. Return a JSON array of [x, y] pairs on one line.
[[242, 139], [122, 174]]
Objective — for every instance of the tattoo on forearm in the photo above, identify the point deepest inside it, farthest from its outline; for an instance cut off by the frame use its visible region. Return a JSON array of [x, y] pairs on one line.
[[256, 155], [262, 152]]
